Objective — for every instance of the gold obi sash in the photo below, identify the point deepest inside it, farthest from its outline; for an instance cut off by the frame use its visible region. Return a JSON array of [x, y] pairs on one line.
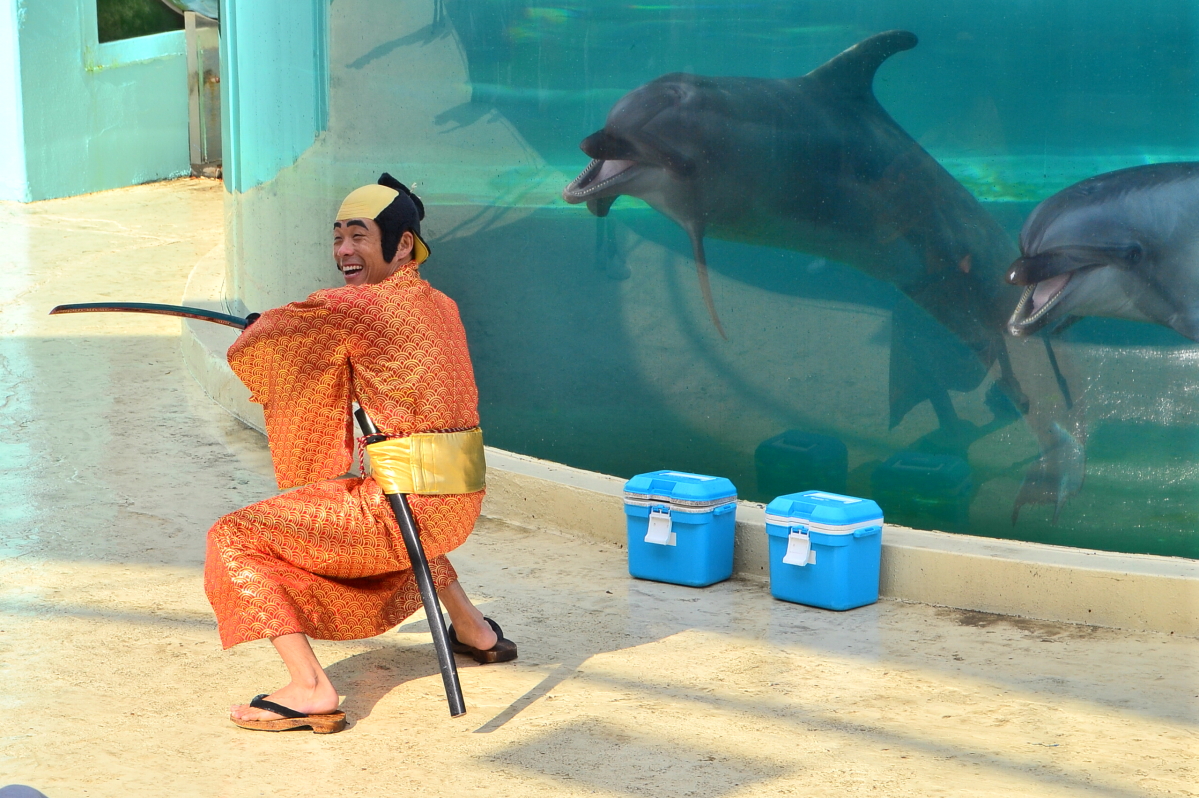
[[430, 463]]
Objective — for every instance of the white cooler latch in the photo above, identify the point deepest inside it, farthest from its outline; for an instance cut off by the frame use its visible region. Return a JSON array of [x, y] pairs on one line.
[[660, 526], [799, 548]]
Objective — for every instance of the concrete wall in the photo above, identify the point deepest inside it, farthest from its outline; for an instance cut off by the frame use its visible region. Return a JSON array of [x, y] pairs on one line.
[[86, 116], [1006, 577]]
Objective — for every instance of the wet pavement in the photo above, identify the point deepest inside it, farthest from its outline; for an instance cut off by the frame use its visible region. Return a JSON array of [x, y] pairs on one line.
[[113, 683]]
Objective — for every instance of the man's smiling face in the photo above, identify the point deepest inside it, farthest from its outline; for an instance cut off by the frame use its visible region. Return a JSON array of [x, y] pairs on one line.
[[358, 252]]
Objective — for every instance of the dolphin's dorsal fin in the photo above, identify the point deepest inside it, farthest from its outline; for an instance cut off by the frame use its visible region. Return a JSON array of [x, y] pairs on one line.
[[852, 72]]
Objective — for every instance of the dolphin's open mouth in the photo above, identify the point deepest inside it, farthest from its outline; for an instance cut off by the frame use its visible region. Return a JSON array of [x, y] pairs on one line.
[[600, 174], [1033, 310]]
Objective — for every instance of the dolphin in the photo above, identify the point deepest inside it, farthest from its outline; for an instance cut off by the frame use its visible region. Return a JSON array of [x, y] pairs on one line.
[[1122, 244], [813, 164]]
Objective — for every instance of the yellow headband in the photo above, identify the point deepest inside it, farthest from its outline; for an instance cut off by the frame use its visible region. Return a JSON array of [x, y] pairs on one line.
[[368, 202]]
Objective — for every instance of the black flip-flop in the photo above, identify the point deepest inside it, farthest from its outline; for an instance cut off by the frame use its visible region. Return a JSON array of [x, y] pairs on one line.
[[325, 723], [504, 650]]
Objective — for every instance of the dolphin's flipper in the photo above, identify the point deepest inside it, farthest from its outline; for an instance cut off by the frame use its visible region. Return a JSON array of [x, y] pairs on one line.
[[696, 231], [1056, 477], [852, 72]]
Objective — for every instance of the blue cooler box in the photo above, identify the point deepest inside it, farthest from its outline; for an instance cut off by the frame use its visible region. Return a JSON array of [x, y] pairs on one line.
[[824, 549], [681, 527]]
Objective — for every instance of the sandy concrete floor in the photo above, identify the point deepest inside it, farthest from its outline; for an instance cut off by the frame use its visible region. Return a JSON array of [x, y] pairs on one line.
[[112, 682]]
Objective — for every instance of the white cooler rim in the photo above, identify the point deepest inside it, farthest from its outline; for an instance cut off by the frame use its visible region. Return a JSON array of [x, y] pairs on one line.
[[825, 529]]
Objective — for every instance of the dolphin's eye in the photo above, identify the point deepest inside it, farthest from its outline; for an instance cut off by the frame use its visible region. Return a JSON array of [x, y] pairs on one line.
[[1133, 254]]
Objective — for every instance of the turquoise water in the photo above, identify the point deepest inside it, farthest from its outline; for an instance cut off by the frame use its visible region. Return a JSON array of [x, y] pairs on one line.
[[1018, 89], [590, 337]]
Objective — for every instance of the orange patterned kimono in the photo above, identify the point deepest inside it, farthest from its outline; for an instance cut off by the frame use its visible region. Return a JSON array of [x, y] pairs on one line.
[[327, 559]]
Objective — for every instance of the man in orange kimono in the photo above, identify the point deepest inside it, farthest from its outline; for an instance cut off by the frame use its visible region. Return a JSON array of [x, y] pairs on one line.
[[327, 560]]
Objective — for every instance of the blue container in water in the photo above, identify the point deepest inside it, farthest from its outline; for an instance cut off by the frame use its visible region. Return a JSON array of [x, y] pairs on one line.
[[681, 527], [824, 549]]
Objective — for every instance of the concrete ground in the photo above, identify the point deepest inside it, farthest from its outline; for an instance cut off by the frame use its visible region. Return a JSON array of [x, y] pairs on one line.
[[113, 683]]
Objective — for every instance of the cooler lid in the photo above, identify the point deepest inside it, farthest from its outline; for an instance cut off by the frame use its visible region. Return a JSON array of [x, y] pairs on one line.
[[828, 509], [680, 487]]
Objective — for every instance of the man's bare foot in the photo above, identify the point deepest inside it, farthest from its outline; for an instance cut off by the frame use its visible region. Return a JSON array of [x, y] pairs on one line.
[[310, 699], [470, 627], [475, 633]]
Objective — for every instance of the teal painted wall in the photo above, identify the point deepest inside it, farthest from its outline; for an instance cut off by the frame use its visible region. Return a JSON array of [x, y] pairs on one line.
[[13, 185], [274, 95], [92, 116]]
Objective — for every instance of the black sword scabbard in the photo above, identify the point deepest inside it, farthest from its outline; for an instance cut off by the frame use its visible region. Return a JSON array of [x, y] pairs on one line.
[[424, 580]]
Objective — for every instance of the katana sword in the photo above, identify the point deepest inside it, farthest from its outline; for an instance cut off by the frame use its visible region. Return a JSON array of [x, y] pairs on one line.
[[160, 310], [424, 580]]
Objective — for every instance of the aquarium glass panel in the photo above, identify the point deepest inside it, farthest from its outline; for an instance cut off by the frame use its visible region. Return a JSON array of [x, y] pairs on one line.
[[710, 236]]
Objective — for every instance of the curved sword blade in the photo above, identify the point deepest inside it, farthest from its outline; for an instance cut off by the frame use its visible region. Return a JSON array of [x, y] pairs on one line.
[[148, 307]]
